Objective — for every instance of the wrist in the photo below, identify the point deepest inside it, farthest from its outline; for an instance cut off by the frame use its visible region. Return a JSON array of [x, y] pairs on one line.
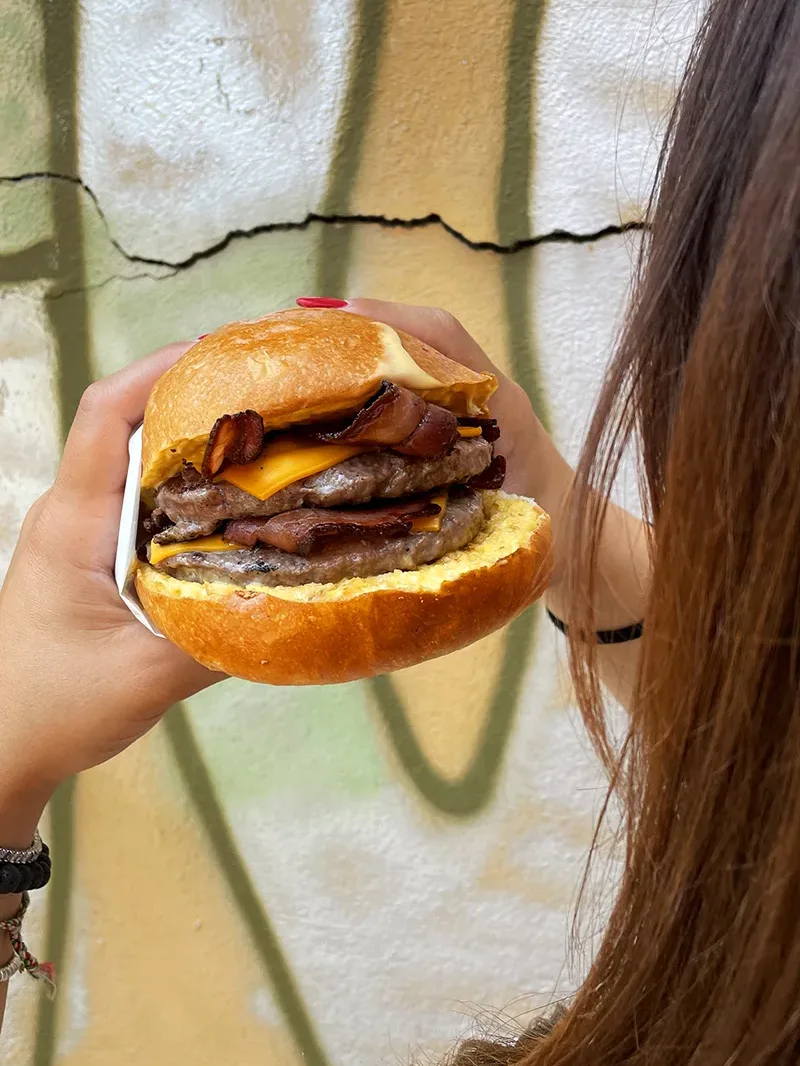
[[21, 807], [25, 786], [20, 813]]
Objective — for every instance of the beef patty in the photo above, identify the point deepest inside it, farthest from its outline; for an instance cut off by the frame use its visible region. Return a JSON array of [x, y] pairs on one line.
[[461, 523], [197, 506]]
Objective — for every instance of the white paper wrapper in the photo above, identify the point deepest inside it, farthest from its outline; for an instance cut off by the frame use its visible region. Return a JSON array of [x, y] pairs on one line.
[[126, 541]]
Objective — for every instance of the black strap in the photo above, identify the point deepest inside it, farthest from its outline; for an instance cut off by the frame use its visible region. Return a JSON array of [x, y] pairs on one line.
[[606, 636]]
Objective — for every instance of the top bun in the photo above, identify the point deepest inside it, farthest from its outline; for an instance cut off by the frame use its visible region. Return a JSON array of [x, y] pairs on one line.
[[292, 366]]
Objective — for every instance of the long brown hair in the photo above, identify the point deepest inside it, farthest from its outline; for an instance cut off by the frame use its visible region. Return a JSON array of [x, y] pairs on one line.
[[700, 961]]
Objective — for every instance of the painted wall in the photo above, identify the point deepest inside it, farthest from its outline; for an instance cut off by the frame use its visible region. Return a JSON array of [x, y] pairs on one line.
[[330, 876]]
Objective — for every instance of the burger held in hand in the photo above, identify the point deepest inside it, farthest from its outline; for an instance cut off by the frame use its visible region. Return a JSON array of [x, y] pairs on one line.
[[322, 502]]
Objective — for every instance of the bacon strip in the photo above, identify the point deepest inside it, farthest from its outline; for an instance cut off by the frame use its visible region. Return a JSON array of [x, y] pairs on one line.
[[306, 529], [488, 426], [492, 477], [235, 439], [398, 419], [434, 436], [388, 418]]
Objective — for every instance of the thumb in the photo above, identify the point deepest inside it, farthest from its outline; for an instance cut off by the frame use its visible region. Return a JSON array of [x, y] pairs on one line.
[[95, 458], [87, 494]]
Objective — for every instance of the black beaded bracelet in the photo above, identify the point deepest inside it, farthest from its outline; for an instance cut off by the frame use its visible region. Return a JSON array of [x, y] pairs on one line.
[[605, 636], [25, 876]]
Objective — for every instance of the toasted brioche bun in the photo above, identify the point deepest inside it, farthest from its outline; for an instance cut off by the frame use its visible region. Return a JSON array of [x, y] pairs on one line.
[[292, 366], [360, 627]]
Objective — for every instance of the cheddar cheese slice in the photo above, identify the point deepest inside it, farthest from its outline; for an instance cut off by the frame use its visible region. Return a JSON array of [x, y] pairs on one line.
[[469, 431], [214, 543], [283, 461], [432, 523]]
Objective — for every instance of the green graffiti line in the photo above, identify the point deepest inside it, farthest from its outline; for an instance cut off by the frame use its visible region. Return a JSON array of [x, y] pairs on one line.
[[513, 201], [335, 242], [200, 789], [69, 318], [466, 796], [69, 324]]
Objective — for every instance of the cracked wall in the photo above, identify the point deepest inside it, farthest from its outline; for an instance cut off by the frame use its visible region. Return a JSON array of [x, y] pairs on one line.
[[379, 862]]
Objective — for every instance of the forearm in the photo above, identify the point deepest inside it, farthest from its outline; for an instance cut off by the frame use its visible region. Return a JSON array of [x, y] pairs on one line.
[[623, 563]]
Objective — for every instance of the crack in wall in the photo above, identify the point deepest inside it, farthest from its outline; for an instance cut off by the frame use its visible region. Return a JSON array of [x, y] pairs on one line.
[[555, 236]]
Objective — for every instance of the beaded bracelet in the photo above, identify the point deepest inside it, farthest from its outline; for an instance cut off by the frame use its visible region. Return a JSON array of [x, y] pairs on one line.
[[27, 874]]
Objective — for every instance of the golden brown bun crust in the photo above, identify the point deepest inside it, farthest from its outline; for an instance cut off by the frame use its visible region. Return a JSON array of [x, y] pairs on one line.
[[291, 366], [265, 638]]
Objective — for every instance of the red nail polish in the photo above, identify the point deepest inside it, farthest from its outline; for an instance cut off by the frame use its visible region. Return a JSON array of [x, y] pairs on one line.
[[202, 335], [319, 301]]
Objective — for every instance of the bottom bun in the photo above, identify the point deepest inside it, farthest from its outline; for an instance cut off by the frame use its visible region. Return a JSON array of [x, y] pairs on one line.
[[360, 627]]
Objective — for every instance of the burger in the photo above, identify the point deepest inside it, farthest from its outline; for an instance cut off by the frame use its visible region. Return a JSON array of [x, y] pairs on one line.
[[322, 501]]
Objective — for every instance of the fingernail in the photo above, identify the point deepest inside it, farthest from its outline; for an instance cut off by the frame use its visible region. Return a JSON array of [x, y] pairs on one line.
[[202, 335], [319, 301]]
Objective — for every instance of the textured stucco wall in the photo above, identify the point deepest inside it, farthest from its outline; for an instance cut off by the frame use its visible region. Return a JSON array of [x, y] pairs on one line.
[[342, 874]]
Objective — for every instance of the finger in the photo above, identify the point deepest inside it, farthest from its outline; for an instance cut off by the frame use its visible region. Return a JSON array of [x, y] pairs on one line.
[[432, 325], [95, 458]]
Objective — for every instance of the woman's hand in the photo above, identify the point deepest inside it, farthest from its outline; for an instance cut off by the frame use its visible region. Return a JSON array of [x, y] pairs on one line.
[[80, 678], [535, 467]]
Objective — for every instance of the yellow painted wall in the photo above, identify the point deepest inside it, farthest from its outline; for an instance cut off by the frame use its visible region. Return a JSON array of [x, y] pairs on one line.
[[341, 876]]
